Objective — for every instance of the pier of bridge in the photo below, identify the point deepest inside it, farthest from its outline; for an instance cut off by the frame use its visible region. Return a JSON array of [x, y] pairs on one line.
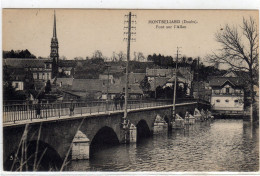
[[83, 132]]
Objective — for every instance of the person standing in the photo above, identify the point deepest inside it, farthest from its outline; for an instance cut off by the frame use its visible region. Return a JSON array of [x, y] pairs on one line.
[[116, 101], [122, 99], [38, 110], [71, 108]]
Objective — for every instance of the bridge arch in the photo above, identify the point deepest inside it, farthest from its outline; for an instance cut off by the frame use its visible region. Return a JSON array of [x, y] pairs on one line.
[[105, 137], [47, 157], [142, 130]]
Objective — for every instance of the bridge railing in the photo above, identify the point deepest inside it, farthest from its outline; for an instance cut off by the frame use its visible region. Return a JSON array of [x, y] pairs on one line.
[[19, 112]]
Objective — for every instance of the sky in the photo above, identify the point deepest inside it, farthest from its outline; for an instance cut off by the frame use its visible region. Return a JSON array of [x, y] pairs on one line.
[[80, 31]]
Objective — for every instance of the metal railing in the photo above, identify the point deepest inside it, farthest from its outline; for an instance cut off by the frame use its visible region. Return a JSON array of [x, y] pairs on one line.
[[19, 112]]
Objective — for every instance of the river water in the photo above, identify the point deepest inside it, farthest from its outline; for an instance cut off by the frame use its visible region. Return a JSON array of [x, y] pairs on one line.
[[220, 145]]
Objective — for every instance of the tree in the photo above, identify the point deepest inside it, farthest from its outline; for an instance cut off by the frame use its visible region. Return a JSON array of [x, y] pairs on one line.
[[78, 58], [28, 80], [239, 49], [18, 54], [121, 56], [140, 56], [63, 58], [160, 92], [8, 91], [97, 54], [145, 85], [48, 87]]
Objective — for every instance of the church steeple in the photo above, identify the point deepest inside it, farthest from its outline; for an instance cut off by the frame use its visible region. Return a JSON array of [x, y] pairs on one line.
[[54, 26], [54, 50]]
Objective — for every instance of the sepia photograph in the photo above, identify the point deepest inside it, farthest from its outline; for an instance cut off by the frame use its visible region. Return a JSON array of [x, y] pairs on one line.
[[127, 90]]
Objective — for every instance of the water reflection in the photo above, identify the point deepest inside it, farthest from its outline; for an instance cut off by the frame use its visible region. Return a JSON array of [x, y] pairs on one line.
[[221, 145]]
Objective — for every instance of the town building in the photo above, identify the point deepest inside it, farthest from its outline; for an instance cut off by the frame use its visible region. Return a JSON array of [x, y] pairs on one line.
[[227, 93], [65, 83], [166, 77], [67, 68], [40, 69], [117, 87], [106, 77]]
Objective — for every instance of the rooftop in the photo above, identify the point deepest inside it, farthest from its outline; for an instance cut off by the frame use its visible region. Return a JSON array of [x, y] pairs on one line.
[[95, 85], [23, 63]]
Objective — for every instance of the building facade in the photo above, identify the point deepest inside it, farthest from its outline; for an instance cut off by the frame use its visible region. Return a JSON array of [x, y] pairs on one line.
[[227, 93]]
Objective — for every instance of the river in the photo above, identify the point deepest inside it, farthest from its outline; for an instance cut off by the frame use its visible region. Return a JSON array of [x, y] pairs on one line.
[[220, 145]]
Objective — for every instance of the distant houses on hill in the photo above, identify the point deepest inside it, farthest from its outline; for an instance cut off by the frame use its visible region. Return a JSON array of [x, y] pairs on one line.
[[108, 84]]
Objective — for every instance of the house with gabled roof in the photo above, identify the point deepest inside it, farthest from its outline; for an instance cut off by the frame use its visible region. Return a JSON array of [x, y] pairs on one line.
[[118, 88], [227, 93]]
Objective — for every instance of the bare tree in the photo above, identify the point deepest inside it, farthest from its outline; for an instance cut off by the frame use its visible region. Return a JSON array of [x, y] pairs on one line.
[[140, 56], [97, 54], [239, 49], [63, 58], [135, 57], [79, 58], [121, 56], [114, 59]]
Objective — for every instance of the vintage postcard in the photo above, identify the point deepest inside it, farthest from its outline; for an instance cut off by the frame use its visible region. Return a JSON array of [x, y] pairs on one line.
[[130, 90]]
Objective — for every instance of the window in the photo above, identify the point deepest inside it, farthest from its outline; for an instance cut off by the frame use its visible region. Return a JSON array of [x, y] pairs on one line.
[[218, 101], [227, 90], [236, 101], [227, 100], [16, 85]]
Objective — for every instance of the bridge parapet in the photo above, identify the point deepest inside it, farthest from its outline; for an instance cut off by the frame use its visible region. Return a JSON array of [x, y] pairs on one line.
[[20, 112]]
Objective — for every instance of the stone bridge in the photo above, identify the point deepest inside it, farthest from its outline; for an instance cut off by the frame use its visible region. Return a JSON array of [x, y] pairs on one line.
[[59, 135]]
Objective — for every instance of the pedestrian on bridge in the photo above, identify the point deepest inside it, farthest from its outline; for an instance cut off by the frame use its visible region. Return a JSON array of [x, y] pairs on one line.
[[122, 99], [38, 110], [71, 108], [116, 98]]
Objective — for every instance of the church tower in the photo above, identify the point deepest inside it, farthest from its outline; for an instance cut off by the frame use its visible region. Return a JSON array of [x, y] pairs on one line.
[[54, 50]]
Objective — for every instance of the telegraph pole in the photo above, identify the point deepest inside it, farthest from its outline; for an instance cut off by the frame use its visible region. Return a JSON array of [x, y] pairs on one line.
[[198, 96], [107, 86], [175, 85], [129, 39], [155, 74]]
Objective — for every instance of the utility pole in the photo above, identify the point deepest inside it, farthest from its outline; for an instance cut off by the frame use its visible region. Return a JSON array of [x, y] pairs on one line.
[[198, 94], [155, 74], [175, 85], [129, 39], [107, 86]]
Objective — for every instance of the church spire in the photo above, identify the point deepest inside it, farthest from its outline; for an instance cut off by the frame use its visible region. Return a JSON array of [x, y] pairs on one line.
[[54, 50], [54, 26]]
